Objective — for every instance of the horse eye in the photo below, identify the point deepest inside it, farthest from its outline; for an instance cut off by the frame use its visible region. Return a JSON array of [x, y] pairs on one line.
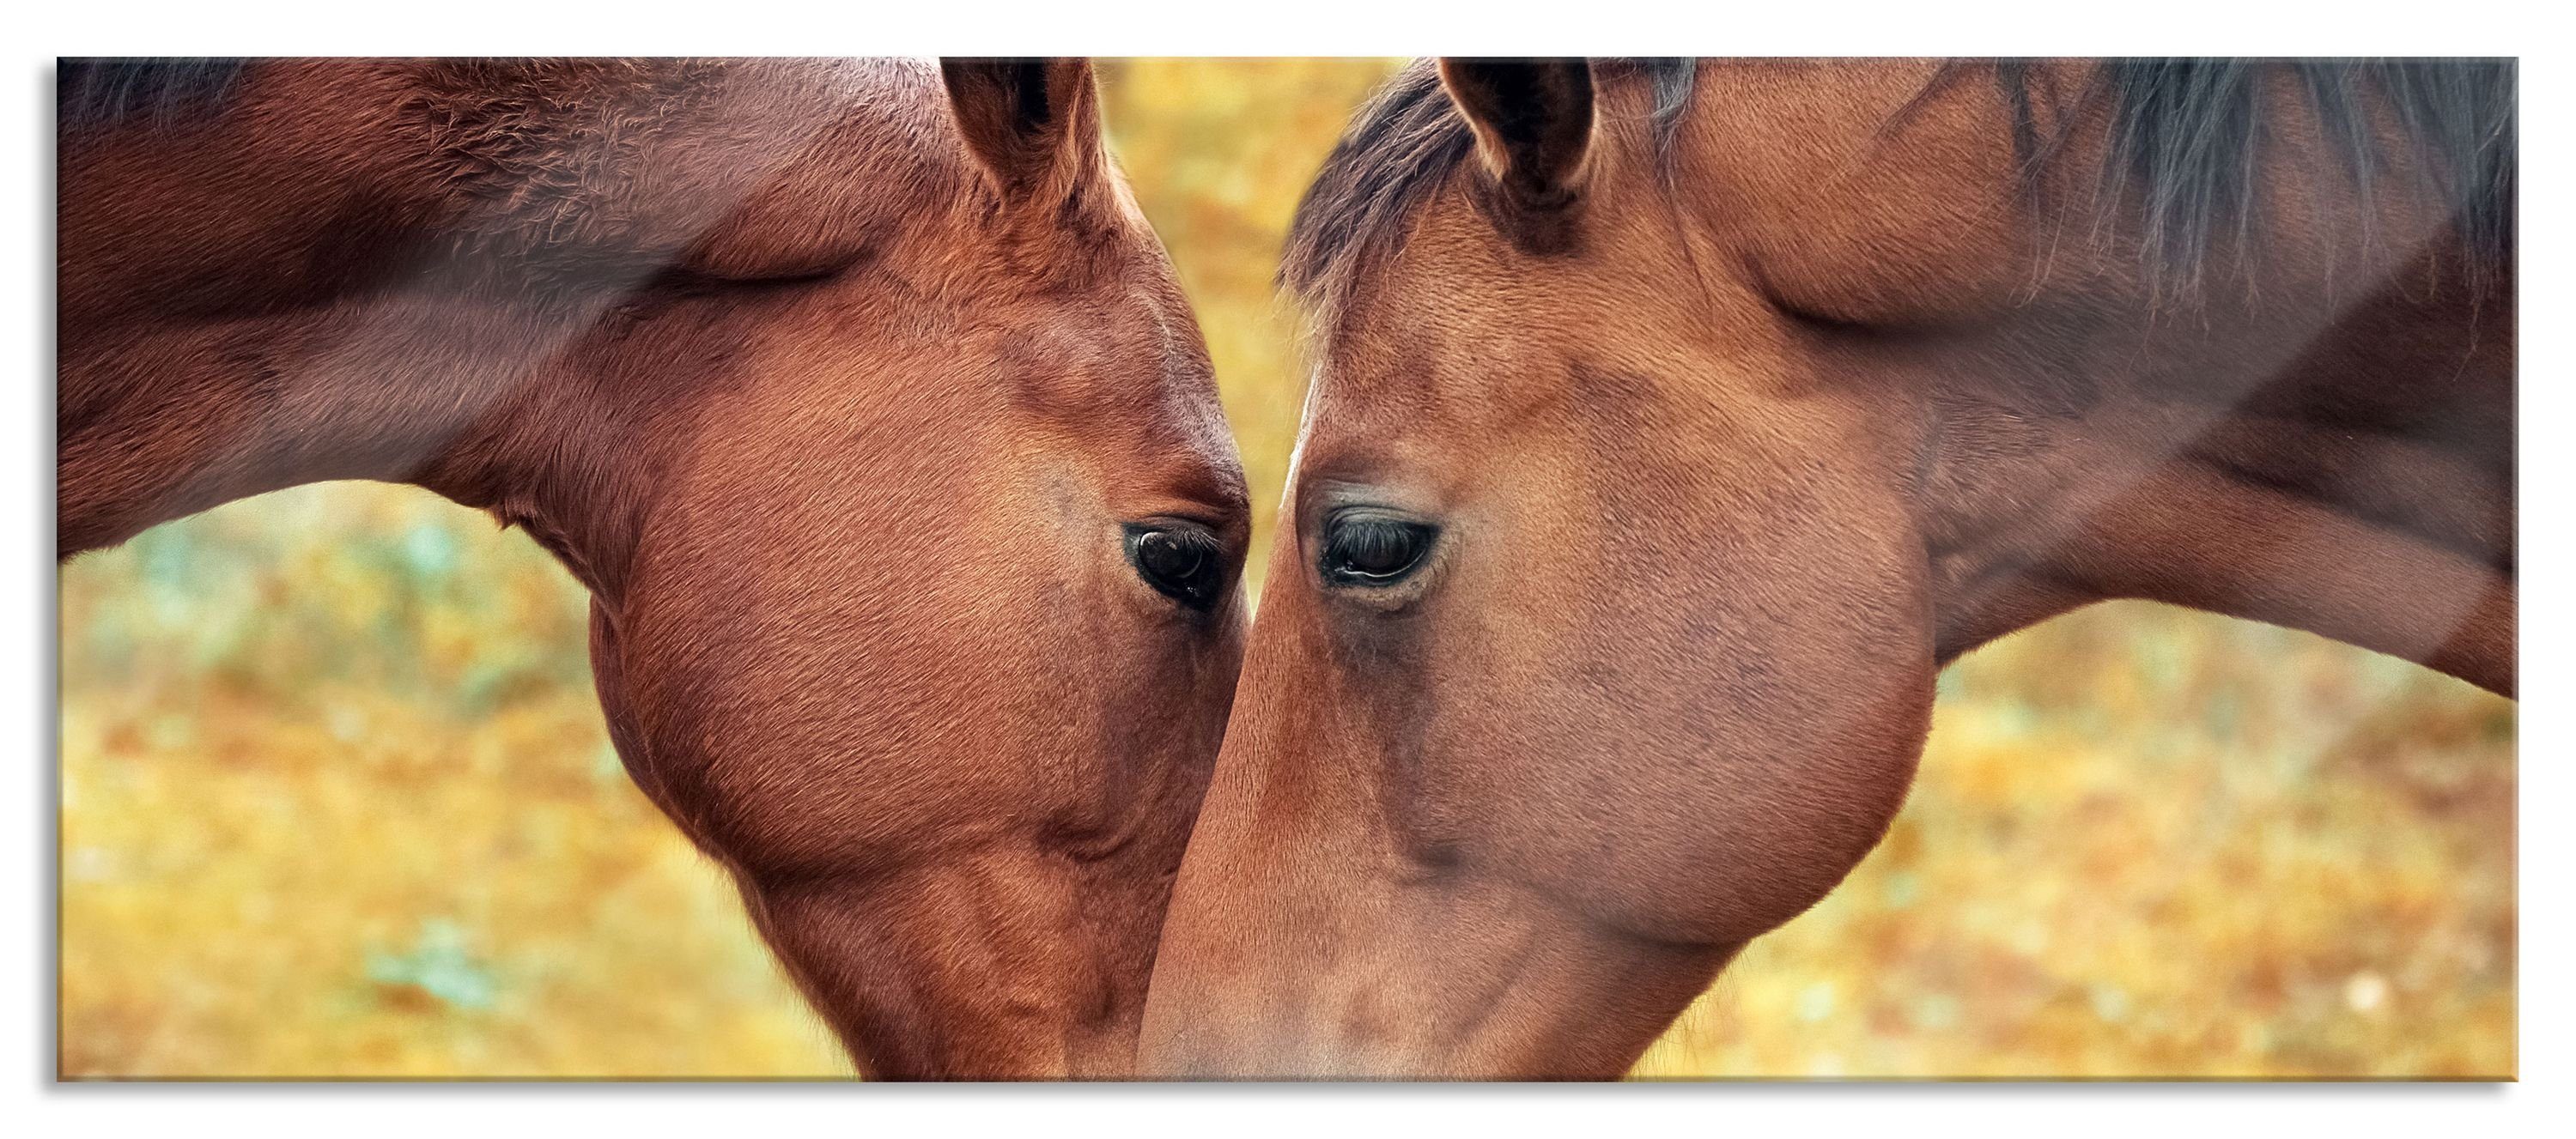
[[1181, 561], [1373, 550]]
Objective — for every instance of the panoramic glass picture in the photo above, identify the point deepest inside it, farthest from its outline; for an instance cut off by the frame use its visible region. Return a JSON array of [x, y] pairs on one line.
[[1286, 569]]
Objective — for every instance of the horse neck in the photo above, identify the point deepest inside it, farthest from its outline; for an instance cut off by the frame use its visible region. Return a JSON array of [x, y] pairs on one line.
[[162, 422], [2339, 464], [439, 357]]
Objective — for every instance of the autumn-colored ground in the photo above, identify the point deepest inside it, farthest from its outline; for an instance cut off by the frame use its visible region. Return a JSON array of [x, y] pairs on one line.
[[337, 801]]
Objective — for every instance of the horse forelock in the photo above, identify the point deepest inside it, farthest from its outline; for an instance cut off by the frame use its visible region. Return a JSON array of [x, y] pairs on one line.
[[1401, 147]]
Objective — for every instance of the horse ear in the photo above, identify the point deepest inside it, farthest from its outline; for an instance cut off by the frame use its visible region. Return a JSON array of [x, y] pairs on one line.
[[1533, 122], [1033, 124]]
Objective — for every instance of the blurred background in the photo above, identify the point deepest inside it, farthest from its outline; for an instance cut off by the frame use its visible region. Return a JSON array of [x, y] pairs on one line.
[[337, 801]]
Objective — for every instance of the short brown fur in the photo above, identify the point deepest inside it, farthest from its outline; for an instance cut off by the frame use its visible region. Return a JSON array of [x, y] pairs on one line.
[[835, 388], [1822, 392]]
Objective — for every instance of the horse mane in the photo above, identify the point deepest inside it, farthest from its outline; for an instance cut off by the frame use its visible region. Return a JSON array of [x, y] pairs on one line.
[[2185, 150], [2187, 137], [94, 93]]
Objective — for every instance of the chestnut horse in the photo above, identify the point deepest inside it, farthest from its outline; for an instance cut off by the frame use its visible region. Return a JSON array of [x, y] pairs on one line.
[[1674, 423], [858, 394]]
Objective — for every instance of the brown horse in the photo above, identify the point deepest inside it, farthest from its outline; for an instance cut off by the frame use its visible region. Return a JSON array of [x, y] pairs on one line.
[[859, 395], [1675, 423]]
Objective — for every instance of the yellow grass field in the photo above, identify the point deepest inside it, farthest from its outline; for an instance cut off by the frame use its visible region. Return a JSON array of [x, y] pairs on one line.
[[337, 802]]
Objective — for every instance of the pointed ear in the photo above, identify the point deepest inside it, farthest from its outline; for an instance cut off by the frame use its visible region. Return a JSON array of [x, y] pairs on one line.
[[1533, 122], [1033, 124]]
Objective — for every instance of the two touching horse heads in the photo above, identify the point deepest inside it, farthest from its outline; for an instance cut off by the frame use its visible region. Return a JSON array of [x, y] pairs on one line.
[[1674, 423]]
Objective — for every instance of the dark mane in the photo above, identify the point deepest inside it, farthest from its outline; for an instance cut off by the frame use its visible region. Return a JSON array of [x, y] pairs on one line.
[[91, 93], [2184, 154], [1400, 148], [2187, 138]]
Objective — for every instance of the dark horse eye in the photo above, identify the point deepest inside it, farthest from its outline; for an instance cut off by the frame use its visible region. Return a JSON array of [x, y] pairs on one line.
[[1370, 549], [1180, 560]]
